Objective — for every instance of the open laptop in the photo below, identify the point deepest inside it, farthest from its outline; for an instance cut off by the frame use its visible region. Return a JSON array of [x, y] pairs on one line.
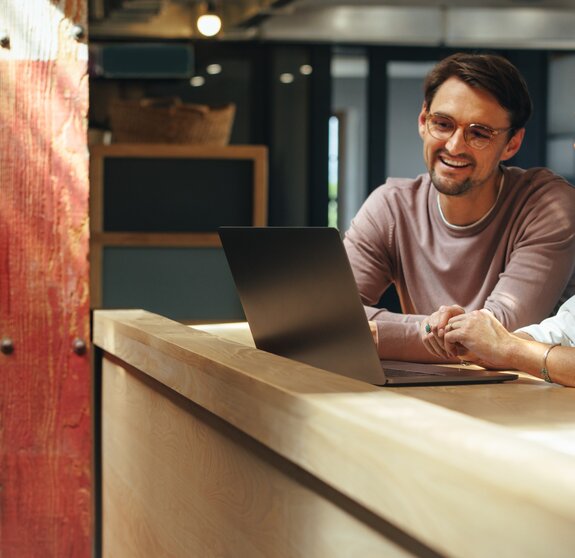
[[301, 301]]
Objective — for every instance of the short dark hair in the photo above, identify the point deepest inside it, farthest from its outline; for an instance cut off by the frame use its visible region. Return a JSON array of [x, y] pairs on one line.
[[492, 73]]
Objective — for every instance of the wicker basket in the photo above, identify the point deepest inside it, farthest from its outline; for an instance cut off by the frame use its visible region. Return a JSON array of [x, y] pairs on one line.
[[170, 121]]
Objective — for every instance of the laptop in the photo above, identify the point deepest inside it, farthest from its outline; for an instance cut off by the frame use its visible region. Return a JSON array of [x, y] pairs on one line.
[[301, 301]]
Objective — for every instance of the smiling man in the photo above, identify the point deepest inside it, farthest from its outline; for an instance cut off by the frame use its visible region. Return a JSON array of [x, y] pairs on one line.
[[471, 233]]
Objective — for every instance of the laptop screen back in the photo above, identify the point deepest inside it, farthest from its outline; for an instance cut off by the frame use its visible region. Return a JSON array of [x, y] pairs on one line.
[[300, 298]]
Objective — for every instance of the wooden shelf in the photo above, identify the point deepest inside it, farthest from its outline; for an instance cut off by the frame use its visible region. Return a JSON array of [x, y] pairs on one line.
[[170, 162]]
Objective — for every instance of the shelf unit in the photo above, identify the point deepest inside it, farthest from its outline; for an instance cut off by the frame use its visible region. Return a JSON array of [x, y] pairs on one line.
[[154, 213]]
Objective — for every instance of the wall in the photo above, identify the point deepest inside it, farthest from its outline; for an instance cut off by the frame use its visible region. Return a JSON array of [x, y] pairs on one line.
[[561, 110], [404, 148], [350, 98]]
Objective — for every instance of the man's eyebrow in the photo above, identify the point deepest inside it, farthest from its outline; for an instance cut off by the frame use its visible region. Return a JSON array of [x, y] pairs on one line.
[[474, 122]]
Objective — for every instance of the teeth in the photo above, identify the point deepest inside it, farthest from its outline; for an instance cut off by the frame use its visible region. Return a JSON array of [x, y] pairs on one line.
[[453, 163]]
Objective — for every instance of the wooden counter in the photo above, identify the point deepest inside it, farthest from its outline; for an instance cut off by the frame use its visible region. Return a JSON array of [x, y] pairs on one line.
[[213, 448]]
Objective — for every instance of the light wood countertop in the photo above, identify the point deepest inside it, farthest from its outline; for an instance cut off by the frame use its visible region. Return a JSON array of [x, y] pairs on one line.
[[529, 407], [475, 470]]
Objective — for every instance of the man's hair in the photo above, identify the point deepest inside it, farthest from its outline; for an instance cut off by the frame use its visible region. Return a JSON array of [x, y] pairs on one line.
[[491, 73]]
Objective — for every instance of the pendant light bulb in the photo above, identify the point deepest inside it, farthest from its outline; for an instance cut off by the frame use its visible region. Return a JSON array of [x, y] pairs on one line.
[[209, 23]]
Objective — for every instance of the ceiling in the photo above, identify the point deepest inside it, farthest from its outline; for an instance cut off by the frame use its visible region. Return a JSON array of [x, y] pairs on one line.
[[475, 23]]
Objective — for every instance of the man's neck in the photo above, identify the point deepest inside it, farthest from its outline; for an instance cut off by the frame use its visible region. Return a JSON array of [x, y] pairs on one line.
[[473, 205]]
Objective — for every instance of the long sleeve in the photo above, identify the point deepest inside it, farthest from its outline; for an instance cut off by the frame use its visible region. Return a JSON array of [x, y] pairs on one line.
[[540, 260], [517, 262], [557, 329]]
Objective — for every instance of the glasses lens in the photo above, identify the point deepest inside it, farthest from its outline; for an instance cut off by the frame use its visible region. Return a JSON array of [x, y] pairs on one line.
[[440, 127], [478, 136]]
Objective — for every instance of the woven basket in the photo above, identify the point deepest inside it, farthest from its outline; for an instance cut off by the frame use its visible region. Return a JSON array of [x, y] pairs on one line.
[[170, 121]]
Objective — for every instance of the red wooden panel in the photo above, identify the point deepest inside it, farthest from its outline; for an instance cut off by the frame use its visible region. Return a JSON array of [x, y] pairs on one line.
[[45, 387]]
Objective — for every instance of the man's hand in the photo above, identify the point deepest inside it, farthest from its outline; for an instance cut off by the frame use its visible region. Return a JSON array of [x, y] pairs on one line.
[[481, 339], [432, 331]]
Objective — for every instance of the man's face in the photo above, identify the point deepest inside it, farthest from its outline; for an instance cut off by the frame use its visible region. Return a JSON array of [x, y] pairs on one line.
[[454, 166]]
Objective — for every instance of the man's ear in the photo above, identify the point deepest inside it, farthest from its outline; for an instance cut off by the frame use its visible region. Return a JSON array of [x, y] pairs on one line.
[[421, 126], [513, 145]]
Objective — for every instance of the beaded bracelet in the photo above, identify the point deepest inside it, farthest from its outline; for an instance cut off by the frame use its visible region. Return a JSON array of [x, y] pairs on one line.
[[544, 372]]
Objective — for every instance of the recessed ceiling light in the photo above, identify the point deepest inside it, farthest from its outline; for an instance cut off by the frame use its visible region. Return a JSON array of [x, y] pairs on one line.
[[214, 69], [197, 81]]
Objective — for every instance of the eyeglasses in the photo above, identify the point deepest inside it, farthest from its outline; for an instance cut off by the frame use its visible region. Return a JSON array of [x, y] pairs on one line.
[[476, 136]]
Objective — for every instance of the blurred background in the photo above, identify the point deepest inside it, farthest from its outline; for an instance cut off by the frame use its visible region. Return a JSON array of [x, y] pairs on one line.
[[331, 88]]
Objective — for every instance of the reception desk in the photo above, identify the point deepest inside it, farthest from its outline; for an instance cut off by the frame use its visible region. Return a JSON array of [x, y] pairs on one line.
[[212, 448]]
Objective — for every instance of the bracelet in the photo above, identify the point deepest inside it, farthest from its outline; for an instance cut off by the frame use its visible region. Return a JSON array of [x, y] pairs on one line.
[[544, 372]]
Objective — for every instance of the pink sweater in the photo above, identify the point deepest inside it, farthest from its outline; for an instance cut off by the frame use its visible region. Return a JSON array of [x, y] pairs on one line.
[[518, 261]]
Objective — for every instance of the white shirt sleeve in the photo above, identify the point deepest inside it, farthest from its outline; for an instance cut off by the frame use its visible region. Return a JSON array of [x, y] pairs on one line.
[[557, 329]]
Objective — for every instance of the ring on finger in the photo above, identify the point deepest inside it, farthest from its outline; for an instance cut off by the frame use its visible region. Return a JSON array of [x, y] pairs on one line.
[[427, 328]]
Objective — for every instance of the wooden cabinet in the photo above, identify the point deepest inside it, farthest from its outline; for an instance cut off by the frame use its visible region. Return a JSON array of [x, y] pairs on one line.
[[154, 212]]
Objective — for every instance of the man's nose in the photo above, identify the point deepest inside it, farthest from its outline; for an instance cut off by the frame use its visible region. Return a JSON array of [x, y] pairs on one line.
[[456, 142]]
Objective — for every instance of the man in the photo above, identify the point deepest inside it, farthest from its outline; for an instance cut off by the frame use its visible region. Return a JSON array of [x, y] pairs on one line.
[[480, 338], [471, 233]]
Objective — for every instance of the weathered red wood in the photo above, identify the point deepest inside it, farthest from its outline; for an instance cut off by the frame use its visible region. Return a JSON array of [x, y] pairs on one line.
[[45, 388]]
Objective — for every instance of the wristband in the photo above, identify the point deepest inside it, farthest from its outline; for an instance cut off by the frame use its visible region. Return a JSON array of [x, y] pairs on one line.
[[544, 372]]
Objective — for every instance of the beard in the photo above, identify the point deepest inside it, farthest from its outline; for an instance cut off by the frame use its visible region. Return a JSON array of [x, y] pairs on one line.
[[450, 188]]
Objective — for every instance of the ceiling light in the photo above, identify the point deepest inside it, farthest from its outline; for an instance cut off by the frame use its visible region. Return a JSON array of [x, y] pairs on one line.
[[197, 81], [214, 69], [209, 23]]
